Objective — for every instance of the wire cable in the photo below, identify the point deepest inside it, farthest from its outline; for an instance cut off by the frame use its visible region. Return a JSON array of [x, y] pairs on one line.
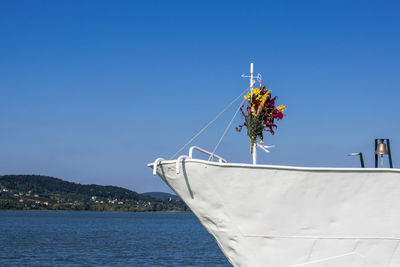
[[226, 130], [208, 124]]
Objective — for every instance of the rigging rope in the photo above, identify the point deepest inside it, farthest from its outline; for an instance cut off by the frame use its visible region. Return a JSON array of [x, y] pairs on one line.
[[226, 130], [208, 124]]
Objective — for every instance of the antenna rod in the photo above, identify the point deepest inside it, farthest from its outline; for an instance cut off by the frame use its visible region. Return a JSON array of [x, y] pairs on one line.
[[251, 75], [251, 79]]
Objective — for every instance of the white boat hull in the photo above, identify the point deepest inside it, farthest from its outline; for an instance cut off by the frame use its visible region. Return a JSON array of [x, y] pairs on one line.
[[277, 216]]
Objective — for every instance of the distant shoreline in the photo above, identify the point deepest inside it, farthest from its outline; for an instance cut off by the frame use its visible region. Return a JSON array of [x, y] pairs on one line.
[[99, 211], [44, 193]]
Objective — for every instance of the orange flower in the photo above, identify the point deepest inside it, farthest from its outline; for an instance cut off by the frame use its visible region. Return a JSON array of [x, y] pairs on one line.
[[281, 108]]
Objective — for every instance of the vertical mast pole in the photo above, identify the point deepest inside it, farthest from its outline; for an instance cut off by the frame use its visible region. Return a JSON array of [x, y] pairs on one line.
[[251, 78], [251, 90]]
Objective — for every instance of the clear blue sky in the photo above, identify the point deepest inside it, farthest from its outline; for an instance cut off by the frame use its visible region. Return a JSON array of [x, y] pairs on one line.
[[92, 91]]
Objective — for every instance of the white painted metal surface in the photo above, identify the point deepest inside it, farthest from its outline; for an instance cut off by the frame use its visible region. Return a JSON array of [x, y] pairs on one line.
[[254, 153], [211, 154], [279, 216]]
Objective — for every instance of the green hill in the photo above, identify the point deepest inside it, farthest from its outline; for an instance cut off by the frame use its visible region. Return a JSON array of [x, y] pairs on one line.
[[37, 192]]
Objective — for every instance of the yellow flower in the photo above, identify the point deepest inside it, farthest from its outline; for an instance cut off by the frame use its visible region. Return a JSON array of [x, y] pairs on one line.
[[256, 92], [281, 108]]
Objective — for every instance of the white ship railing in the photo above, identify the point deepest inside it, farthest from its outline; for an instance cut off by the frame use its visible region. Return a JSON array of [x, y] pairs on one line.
[[156, 162], [212, 155], [179, 159]]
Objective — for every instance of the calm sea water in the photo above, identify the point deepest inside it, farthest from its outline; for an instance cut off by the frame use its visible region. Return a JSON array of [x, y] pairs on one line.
[[106, 239]]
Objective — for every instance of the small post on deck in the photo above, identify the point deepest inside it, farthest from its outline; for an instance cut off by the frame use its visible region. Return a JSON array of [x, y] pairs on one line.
[[361, 158]]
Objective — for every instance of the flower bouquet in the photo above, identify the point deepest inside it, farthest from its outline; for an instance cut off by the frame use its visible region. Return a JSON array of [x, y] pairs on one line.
[[260, 114]]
